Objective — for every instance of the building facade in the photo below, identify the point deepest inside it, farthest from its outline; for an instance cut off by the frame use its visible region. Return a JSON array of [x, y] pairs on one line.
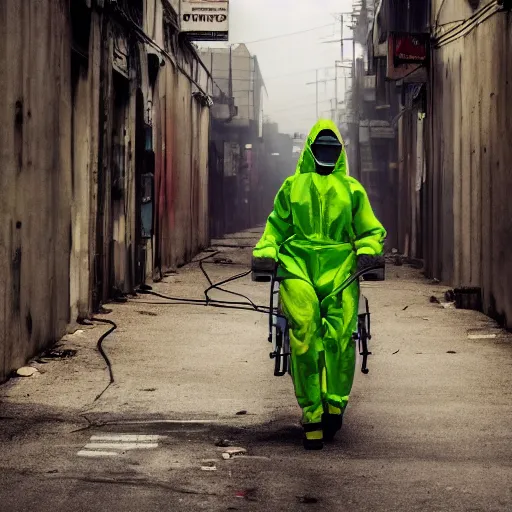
[[447, 60], [105, 129]]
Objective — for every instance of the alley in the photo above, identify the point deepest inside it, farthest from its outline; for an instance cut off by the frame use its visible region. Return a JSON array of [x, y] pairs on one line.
[[427, 429]]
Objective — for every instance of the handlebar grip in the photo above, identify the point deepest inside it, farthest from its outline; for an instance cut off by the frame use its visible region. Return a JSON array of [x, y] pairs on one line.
[[376, 274], [261, 277]]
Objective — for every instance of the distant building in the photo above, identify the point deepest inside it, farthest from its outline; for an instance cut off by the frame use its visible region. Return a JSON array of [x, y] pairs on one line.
[[236, 147]]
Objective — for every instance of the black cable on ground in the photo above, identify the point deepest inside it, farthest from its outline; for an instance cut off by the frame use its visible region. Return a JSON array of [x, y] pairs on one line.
[[184, 300], [208, 301], [217, 286], [99, 346]]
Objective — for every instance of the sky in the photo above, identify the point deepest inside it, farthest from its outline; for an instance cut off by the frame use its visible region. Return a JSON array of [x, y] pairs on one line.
[[289, 63]]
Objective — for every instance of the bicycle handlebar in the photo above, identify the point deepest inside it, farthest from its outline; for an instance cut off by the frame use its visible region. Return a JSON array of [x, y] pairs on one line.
[[262, 276]]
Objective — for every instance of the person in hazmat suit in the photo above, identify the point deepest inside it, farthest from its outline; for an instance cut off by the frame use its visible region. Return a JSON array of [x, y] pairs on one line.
[[322, 230]]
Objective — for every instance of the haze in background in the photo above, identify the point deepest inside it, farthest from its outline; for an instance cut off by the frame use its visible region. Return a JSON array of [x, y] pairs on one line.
[[288, 63]]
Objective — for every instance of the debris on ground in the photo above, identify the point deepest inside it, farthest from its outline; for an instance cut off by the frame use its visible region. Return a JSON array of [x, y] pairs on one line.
[[147, 313], [481, 336], [223, 261], [232, 452], [56, 353], [248, 494], [449, 296], [308, 500], [223, 443], [434, 300], [451, 352], [435, 281], [209, 465], [26, 371], [241, 413], [406, 307], [396, 352]]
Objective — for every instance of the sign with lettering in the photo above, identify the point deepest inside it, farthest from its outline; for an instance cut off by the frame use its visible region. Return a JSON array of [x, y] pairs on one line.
[[205, 20], [410, 48]]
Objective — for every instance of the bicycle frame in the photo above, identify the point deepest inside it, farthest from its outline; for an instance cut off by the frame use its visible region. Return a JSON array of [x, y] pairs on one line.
[[279, 329]]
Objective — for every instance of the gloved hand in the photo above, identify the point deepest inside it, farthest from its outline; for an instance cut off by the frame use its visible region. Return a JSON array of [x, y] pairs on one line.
[[376, 263], [263, 268]]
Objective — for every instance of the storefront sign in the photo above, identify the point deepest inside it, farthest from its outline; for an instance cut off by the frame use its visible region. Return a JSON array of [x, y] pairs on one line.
[[205, 20], [410, 48]]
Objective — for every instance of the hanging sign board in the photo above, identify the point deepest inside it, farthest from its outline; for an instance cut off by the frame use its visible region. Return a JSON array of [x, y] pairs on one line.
[[205, 20], [410, 48]]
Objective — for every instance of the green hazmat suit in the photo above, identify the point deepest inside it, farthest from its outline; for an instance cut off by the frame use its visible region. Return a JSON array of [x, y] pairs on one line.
[[318, 227]]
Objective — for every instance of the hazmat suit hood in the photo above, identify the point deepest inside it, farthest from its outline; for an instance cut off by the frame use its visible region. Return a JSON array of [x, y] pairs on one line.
[[307, 162]]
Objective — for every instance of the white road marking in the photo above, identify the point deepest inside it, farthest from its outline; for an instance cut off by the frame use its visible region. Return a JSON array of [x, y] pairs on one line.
[[121, 446], [126, 438], [170, 422], [96, 453], [112, 445]]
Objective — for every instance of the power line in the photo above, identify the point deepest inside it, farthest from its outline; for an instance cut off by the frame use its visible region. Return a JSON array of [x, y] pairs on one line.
[[298, 106], [288, 35]]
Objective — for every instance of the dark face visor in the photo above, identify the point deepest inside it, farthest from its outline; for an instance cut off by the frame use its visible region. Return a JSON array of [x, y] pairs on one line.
[[326, 150]]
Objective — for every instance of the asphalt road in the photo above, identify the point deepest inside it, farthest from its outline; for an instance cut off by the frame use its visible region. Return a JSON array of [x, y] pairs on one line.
[[429, 428]]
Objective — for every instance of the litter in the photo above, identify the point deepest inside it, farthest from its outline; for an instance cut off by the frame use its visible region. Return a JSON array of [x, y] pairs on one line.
[[27, 371]]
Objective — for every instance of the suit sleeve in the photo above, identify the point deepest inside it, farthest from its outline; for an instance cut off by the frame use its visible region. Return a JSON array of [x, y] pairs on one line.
[[279, 225], [369, 232]]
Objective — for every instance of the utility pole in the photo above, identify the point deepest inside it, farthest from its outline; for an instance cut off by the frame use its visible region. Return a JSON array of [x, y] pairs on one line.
[[315, 83], [324, 81], [336, 94], [342, 23]]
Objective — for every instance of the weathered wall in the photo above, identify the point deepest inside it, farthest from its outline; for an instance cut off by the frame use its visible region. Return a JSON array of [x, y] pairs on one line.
[[75, 117], [35, 177], [181, 175], [470, 160], [85, 94]]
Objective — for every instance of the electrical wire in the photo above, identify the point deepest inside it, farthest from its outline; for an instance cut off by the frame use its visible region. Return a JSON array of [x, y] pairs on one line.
[[99, 346], [208, 301], [140, 32], [468, 25], [282, 36]]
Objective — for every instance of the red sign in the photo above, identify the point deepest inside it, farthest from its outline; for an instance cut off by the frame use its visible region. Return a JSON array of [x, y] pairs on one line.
[[411, 48]]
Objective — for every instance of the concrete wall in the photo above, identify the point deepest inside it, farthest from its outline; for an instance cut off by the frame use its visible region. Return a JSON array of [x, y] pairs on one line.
[[85, 97], [35, 178], [181, 175], [71, 116], [247, 83], [470, 160]]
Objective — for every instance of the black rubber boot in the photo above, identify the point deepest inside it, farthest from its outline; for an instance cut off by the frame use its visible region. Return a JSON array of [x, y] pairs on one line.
[[313, 444], [313, 436], [332, 424]]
